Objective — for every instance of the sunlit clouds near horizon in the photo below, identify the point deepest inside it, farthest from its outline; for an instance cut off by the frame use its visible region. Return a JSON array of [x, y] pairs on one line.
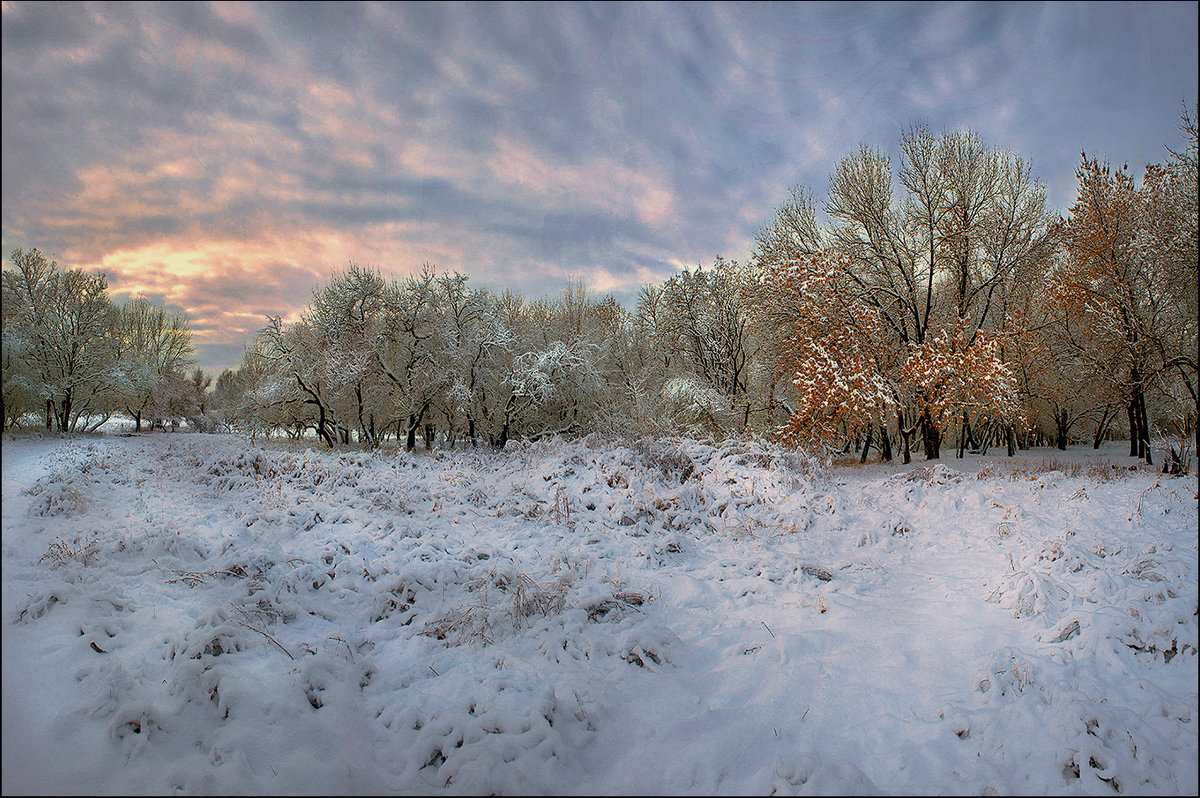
[[225, 159]]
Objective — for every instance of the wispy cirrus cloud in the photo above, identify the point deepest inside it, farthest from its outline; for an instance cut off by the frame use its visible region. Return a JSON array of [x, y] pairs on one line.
[[224, 158]]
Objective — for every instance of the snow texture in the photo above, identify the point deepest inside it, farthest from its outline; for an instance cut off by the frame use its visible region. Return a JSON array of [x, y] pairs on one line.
[[199, 614]]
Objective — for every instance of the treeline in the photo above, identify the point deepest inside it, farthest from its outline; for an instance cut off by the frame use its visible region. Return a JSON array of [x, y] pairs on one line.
[[940, 303], [72, 357]]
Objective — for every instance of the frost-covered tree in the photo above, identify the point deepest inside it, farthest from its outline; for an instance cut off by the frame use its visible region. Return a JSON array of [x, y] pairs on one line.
[[967, 224], [547, 373], [227, 402], [1063, 387], [958, 374], [705, 324], [823, 340], [150, 344], [349, 317], [20, 318], [61, 322], [413, 338], [695, 329], [1130, 273], [1170, 239]]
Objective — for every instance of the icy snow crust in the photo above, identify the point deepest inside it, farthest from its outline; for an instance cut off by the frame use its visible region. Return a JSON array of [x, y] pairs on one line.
[[199, 614]]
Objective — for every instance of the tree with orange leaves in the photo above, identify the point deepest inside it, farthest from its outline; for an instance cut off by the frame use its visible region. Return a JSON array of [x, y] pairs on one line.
[[1129, 273], [957, 373], [931, 249], [825, 342]]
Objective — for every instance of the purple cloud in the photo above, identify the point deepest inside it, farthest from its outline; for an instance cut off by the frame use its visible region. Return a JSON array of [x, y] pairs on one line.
[[226, 158]]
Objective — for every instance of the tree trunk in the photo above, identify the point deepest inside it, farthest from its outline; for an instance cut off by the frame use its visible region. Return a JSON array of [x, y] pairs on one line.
[[1061, 426], [1144, 429], [365, 431], [886, 443], [932, 437], [867, 444], [905, 436], [410, 442], [1130, 409], [64, 419], [322, 431], [1102, 427]]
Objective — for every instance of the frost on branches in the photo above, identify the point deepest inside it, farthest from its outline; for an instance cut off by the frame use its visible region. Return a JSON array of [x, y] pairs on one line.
[[829, 343], [829, 347], [957, 374]]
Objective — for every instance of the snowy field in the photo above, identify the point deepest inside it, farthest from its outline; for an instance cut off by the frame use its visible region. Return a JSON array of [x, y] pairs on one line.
[[198, 614]]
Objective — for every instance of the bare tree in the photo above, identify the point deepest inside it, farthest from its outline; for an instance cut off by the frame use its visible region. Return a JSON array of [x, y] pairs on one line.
[[63, 321], [150, 344]]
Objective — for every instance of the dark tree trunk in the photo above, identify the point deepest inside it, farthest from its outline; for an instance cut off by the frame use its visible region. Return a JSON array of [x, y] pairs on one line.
[[1144, 430], [885, 443], [906, 437], [64, 419], [1061, 426], [366, 429], [867, 444], [322, 426], [410, 442], [932, 436], [1131, 410], [1102, 427]]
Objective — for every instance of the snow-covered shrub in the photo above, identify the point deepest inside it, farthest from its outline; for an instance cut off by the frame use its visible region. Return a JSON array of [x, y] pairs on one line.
[[83, 551], [695, 408], [502, 599], [59, 499]]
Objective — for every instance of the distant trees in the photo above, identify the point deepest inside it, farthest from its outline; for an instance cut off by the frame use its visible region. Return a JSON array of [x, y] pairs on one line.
[[932, 303], [75, 357], [151, 348]]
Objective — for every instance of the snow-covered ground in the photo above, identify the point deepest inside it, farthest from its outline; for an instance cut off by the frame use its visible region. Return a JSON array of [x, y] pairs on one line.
[[200, 614]]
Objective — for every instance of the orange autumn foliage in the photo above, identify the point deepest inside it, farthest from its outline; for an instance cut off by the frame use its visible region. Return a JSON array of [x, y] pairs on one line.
[[827, 346]]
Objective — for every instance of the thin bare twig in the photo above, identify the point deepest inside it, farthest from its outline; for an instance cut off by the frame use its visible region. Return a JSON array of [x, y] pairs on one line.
[[264, 634]]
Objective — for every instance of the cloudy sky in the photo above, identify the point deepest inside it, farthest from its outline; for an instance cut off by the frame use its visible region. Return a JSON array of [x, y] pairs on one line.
[[225, 159]]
